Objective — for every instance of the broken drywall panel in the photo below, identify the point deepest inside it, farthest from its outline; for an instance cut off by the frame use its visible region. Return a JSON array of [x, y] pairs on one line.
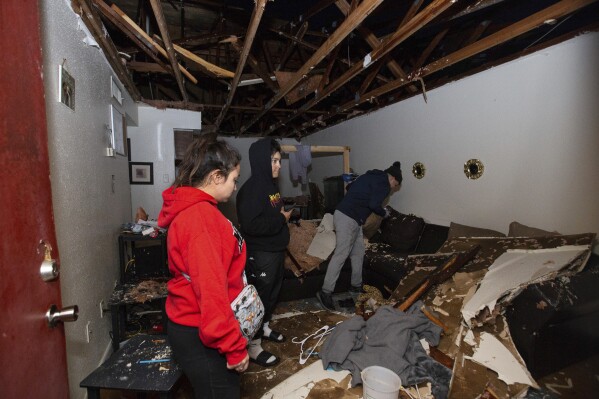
[[514, 270], [298, 386], [323, 243], [492, 354]]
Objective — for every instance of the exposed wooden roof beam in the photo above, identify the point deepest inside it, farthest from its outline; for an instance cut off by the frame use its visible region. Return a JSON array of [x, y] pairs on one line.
[[527, 24], [247, 45], [370, 77], [255, 65], [151, 41], [429, 49], [350, 23], [132, 34], [166, 38], [162, 104], [402, 33], [416, 4], [139, 66], [94, 23], [373, 42], [209, 68], [295, 39], [327, 74], [298, 36]]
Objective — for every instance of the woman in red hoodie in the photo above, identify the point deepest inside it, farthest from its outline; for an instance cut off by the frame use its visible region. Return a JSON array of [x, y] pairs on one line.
[[206, 259]]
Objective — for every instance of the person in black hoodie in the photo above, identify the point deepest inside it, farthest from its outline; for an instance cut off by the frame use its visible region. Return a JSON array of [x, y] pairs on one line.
[[263, 225], [364, 196]]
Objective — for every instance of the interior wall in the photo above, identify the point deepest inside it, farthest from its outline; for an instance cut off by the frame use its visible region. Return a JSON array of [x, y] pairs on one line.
[[153, 140], [90, 191], [534, 124]]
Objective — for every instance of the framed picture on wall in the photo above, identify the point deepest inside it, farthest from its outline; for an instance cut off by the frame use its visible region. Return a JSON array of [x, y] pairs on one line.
[[117, 131], [141, 172]]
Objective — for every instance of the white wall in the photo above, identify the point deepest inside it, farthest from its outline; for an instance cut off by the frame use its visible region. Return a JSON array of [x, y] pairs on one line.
[[533, 122], [153, 141], [90, 191]]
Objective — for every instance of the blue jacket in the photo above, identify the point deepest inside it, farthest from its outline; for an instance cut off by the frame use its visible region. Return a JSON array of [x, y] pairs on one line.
[[366, 195]]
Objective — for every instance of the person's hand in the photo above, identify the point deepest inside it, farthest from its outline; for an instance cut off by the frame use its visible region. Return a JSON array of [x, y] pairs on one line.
[[241, 366], [387, 213], [285, 213]]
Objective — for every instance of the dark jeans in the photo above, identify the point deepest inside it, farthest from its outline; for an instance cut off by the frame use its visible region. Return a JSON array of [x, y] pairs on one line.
[[205, 368], [264, 270]]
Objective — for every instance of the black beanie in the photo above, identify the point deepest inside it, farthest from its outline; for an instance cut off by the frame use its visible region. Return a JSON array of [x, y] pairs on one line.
[[395, 171]]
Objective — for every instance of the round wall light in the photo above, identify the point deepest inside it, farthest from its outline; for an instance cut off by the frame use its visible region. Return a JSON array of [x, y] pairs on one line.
[[418, 170], [473, 169]]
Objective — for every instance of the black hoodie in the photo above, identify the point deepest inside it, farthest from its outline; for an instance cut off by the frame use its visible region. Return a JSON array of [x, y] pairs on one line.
[[259, 204]]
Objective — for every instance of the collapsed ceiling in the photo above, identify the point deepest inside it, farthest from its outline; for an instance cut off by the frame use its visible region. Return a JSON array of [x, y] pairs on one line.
[[289, 68]]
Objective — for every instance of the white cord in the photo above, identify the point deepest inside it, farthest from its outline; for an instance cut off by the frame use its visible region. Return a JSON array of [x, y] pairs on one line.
[[318, 334]]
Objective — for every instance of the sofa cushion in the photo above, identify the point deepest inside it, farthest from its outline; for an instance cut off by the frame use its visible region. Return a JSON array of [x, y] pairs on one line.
[[521, 230], [400, 231], [432, 238], [460, 230]]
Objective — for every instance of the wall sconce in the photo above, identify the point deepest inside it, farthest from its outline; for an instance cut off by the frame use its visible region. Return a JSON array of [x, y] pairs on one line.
[[473, 169], [418, 170]]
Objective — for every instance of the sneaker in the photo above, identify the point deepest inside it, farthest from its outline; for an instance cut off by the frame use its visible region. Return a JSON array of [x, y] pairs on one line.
[[326, 300], [356, 290]]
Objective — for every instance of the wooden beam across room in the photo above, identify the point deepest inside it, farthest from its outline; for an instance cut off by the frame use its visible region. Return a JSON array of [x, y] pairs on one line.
[[350, 23], [132, 34], [373, 42], [157, 46], [555, 11], [402, 33], [247, 45], [168, 44], [93, 21]]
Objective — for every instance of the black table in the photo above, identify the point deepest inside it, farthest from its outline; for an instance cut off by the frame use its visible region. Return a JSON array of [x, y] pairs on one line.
[[142, 365]]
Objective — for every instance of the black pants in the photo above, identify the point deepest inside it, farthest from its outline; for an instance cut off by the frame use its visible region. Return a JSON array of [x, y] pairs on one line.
[[205, 368], [264, 270]]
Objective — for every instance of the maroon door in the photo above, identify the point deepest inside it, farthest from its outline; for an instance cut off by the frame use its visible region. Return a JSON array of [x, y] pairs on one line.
[[32, 355]]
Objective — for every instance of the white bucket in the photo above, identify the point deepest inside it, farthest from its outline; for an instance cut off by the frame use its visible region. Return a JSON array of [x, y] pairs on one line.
[[380, 383]]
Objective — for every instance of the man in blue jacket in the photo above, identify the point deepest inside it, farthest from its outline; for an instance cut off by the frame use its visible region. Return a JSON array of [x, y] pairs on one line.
[[365, 195]]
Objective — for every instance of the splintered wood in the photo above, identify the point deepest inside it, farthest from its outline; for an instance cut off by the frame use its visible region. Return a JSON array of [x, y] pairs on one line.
[[301, 237]]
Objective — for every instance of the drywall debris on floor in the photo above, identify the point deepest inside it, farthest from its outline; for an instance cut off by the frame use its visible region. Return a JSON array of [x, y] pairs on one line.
[[514, 270], [492, 354], [299, 385]]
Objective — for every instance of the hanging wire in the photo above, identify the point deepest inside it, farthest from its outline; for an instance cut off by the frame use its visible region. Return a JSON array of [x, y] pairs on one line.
[[550, 30]]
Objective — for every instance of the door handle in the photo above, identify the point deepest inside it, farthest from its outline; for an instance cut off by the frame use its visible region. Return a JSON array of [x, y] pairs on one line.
[[54, 315]]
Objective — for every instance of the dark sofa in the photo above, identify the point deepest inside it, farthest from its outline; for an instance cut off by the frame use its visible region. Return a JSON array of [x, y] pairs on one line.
[[385, 260]]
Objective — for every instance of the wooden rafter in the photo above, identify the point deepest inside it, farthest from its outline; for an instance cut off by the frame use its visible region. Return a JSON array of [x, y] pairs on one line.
[[147, 38], [247, 45], [350, 23], [429, 49], [373, 42], [555, 11], [132, 34], [328, 70], [255, 65], [94, 23], [297, 37], [166, 38], [405, 31]]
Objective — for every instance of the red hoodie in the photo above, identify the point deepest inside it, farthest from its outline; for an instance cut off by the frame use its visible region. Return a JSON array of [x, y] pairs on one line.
[[206, 258]]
